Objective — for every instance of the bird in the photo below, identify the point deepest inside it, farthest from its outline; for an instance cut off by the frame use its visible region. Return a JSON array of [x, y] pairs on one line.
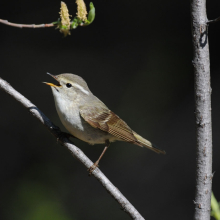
[[87, 118]]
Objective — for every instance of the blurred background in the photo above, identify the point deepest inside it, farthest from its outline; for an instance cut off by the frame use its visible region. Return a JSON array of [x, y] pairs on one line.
[[137, 58]]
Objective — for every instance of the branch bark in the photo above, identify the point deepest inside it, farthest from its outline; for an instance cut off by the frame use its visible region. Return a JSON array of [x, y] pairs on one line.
[[76, 152], [201, 65], [6, 22]]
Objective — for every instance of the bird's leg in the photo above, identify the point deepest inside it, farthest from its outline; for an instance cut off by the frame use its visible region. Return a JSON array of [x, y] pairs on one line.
[[96, 164]]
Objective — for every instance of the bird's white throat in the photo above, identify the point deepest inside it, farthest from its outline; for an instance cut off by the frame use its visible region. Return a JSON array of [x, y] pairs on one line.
[[68, 111]]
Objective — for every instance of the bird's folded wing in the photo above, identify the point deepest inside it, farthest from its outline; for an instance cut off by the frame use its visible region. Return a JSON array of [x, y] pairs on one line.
[[108, 121]]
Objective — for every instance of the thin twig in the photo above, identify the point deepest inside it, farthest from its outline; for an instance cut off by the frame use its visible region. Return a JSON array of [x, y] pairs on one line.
[[26, 25], [203, 109], [213, 21], [77, 153]]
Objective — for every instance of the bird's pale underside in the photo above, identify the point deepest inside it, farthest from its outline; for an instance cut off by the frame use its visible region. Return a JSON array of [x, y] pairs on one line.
[[89, 119]]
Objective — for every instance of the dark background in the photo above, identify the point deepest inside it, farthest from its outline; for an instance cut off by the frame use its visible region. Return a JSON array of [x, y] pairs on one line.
[[137, 58]]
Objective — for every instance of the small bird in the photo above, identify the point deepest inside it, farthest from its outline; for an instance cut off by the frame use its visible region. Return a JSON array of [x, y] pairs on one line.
[[88, 118]]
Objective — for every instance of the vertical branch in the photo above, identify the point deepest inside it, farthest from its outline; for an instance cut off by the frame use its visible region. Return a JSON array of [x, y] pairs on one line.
[[201, 65]]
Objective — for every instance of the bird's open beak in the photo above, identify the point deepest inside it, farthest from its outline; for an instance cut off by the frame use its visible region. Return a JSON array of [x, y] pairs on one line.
[[51, 84]]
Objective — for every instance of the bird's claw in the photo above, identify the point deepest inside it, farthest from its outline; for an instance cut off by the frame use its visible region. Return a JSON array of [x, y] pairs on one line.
[[64, 135]]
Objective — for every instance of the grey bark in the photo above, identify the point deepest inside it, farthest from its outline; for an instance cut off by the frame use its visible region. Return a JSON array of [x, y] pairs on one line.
[[201, 65], [76, 152]]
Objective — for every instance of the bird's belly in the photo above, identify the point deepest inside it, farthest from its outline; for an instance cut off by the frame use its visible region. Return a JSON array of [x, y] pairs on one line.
[[87, 133], [79, 128]]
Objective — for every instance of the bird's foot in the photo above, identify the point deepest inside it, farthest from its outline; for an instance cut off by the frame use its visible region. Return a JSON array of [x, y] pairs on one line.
[[93, 167], [64, 135]]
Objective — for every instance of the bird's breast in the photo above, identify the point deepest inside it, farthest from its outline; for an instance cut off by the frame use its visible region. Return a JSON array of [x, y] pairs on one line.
[[70, 117]]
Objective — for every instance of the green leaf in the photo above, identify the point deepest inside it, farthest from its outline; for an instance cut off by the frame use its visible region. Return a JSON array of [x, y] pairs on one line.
[[91, 15], [215, 208]]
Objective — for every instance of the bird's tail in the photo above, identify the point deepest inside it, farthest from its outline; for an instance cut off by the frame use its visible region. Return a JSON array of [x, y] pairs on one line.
[[145, 143]]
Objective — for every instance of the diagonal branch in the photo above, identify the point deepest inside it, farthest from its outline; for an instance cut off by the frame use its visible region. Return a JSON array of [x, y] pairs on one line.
[[6, 22], [77, 153]]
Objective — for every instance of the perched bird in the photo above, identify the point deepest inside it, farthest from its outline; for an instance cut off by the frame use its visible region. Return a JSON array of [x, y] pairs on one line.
[[89, 119]]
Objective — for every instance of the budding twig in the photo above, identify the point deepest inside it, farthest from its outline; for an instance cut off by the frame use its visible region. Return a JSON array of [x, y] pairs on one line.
[[64, 23], [6, 22]]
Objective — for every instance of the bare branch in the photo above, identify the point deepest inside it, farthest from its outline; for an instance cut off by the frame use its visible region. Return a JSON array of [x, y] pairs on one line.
[[213, 21], [76, 152], [26, 25], [201, 65]]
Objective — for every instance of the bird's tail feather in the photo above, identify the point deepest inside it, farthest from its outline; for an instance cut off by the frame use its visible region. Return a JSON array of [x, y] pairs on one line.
[[145, 143]]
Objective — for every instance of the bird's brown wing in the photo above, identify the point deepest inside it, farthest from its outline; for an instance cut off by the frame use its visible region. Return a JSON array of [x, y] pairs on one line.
[[108, 121]]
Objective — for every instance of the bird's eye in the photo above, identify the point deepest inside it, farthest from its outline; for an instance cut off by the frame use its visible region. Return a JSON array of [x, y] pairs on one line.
[[68, 85]]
